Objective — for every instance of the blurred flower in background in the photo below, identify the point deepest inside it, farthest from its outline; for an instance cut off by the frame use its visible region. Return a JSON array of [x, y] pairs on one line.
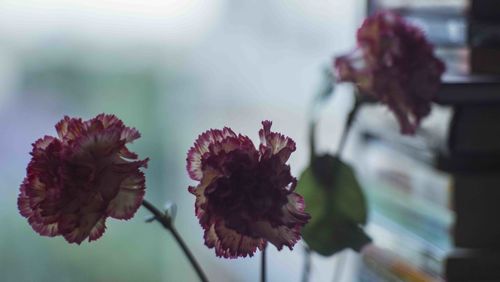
[[395, 64]]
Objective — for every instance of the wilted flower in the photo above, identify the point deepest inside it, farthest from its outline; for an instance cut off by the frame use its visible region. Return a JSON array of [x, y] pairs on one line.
[[395, 64], [245, 196], [76, 181]]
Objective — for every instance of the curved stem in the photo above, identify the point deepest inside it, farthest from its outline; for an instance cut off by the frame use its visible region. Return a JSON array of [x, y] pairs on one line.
[[263, 265], [312, 141], [167, 223], [325, 91], [347, 127]]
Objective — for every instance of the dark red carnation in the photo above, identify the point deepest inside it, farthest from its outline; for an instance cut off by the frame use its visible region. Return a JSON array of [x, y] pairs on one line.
[[246, 196], [74, 182], [395, 64]]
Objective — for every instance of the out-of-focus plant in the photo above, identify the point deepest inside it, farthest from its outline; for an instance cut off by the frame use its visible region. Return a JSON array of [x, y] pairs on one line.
[[393, 64]]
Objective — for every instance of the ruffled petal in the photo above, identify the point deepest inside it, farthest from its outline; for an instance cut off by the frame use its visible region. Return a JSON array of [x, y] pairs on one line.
[[128, 134], [43, 143], [96, 145], [39, 192], [70, 128], [78, 227], [222, 152], [98, 229], [229, 243], [125, 153], [279, 236], [108, 120], [201, 200], [28, 207], [23, 201], [44, 229], [294, 211], [293, 219], [273, 143], [201, 146], [129, 197]]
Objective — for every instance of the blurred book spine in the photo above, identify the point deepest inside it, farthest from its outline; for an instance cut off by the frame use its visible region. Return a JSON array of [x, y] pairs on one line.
[[380, 264], [410, 214]]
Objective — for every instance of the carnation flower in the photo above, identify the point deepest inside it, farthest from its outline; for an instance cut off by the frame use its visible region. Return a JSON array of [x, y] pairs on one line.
[[77, 180], [395, 64], [246, 196]]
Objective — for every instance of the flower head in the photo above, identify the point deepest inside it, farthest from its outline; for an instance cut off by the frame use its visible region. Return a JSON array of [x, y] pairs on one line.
[[78, 179], [395, 64], [246, 196]]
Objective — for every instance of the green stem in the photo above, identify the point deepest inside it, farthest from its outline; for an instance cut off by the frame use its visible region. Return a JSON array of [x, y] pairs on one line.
[[347, 127], [312, 141], [325, 91], [167, 223]]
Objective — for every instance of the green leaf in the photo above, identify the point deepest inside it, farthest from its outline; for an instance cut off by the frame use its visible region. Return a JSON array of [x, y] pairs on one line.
[[337, 206]]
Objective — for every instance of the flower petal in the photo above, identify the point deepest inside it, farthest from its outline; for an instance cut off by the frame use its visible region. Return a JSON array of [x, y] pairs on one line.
[[43, 226], [293, 219], [108, 120], [96, 145], [128, 134], [273, 143], [294, 211], [201, 146], [98, 229], [23, 201], [129, 197], [43, 229], [70, 128], [77, 227], [199, 192], [279, 236], [43, 143], [229, 243], [125, 153]]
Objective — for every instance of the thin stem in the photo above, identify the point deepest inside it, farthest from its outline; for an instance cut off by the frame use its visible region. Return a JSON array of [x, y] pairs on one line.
[[347, 127], [312, 141], [167, 223], [306, 272], [325, 91], [263, 266]]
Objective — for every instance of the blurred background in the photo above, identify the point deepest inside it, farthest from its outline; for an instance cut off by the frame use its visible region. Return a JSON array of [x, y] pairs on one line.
[[172, 69]]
